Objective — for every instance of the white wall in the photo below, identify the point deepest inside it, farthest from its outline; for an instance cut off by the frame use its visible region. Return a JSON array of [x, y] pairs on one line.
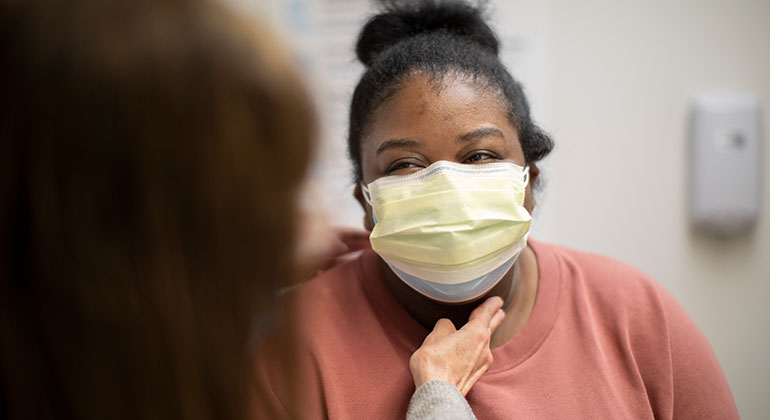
[[620, 75]]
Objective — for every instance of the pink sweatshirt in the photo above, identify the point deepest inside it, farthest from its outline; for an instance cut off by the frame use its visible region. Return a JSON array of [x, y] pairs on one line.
[[603, 342]]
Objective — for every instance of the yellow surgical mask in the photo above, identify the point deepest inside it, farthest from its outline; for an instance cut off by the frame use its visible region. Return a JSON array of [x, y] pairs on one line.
[[451, 231]]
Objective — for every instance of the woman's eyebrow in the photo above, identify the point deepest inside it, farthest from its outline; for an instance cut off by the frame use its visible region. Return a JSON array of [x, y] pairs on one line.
[[397, 143], [481, 132]]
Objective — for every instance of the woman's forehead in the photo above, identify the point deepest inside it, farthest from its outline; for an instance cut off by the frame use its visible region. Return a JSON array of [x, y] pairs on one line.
[[429, 106]]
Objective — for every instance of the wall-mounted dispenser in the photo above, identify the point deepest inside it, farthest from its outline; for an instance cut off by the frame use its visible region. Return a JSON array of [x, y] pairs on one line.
[[725, 167]]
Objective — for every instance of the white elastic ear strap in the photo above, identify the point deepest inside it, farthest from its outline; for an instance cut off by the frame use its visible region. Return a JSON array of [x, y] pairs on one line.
[[366, 194], [526, 176]]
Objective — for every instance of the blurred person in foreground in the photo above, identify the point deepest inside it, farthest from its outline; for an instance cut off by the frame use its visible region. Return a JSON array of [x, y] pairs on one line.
[[151, 153]]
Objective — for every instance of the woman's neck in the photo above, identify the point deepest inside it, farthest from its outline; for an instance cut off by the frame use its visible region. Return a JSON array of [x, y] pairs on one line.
[[518, 288]]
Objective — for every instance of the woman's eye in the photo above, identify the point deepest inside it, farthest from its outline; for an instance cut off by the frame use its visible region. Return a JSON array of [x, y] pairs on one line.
[[401, 166], [480, 156]]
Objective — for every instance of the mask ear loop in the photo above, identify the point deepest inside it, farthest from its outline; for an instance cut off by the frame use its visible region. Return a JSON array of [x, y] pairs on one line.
[[367, 195], [368, 198], [526, 176]]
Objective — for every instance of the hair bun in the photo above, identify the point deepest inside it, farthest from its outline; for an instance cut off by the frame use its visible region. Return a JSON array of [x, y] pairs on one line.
[[402, 19]]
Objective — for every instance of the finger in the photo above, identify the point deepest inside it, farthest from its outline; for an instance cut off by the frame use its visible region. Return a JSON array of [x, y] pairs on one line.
[[359, 244], [443, 328], [354, 239], [346, 232], [345, 258], [475, 376], [483, 314], [338, 247], [497, 319]]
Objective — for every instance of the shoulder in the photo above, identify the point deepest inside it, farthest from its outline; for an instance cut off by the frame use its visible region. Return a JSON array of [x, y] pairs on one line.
[[645, 324], [330, 283], [333, 295], [314, 319], [609, 298], [600, 277]]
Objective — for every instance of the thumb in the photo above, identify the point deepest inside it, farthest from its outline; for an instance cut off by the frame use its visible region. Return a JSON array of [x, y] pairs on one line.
[[443, 328]]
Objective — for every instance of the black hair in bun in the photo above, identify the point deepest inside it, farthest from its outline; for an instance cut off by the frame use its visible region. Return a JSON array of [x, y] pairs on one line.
[[434, 37], [402, 19]]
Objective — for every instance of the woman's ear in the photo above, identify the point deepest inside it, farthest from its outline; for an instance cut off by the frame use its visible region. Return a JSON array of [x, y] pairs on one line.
[[359, 195], [534, 171]]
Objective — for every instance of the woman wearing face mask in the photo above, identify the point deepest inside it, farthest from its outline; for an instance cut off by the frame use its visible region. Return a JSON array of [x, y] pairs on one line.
[[446, 154]]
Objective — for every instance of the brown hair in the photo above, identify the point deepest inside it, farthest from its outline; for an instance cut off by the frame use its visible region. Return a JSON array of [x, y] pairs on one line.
[[150, 153]]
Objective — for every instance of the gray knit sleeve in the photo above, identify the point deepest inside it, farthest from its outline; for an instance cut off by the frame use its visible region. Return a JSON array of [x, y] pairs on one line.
[[438, 400]]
